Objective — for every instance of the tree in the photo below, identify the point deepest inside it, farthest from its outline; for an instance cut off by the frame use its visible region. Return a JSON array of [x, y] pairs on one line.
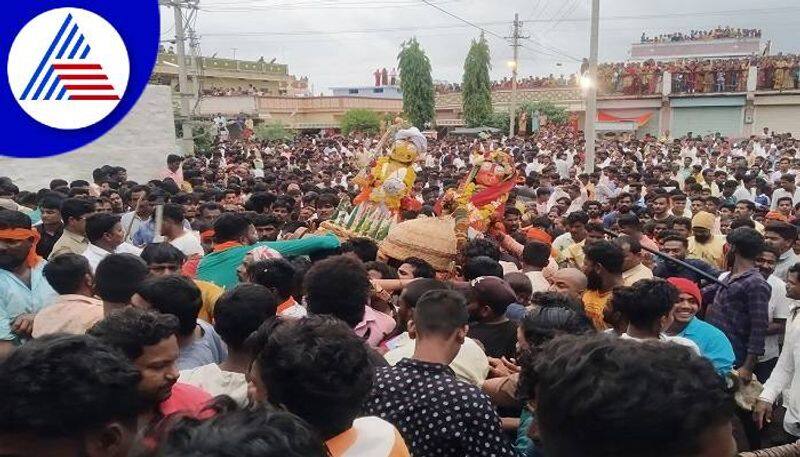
[[555, 114], [476, 92], [416, 83], [272, 132], [360, 120]]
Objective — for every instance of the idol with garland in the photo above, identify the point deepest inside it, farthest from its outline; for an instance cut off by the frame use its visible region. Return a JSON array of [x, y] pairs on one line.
[[481, 197], [389, 182]]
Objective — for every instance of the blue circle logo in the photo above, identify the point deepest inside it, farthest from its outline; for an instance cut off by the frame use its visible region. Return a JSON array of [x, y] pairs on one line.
[[73, 71]]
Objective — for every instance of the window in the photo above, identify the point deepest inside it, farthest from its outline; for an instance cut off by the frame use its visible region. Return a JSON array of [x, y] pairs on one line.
[[352, 91], [377, 90]]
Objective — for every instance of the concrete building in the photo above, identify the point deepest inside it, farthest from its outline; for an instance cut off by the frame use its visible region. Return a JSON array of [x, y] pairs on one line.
[[393, 92]]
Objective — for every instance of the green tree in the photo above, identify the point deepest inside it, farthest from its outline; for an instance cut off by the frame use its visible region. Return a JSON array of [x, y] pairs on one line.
[[555, 114], [360, 120], [203, 136], [476, 95], [416, 83], [272, 132]]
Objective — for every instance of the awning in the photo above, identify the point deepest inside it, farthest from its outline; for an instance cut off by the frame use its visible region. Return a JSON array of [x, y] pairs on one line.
[[604, 116]]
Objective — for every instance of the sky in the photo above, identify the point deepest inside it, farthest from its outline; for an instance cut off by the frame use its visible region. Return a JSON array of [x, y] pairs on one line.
[[341, 42]]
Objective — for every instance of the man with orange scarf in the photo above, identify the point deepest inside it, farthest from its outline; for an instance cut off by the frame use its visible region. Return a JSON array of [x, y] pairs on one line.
[[23, 289]]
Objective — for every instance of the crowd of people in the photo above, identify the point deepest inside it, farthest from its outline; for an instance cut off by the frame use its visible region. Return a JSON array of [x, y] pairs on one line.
[[647, 308], [777, 72], [718, 33]]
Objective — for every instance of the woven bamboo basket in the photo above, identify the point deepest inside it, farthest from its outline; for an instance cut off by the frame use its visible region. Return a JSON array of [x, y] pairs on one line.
[[430, 238]]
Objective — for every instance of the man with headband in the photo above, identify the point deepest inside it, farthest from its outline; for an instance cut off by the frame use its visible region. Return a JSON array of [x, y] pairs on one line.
[[23, 289]]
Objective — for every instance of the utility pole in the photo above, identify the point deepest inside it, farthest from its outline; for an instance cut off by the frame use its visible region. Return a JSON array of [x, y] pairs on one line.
[[512, 111], [184, 91], [591, 93]]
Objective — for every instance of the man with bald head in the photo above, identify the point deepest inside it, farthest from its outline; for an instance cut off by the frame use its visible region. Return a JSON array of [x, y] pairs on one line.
[[569, 281]]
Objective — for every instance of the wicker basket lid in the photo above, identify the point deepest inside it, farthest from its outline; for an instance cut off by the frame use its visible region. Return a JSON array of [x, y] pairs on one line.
[[432, 239]]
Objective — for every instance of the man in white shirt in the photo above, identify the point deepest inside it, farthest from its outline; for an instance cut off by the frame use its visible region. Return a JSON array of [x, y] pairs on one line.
[[535, 257], [173, 230], [785, 378], [105, 235], [788, 188]]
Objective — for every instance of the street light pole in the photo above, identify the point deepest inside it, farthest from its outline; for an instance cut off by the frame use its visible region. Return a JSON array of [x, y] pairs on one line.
[[512, 112], [591, 93]]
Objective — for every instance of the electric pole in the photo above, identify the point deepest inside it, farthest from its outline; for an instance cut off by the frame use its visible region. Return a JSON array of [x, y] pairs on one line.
[[184, 91], [512, 111], [591, 93]]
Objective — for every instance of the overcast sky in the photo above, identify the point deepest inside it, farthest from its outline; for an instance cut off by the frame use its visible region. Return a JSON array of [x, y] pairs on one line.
[[341, 42]]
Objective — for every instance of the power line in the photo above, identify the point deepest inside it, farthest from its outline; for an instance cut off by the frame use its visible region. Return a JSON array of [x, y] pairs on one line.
[[352, 31], [427, 2]]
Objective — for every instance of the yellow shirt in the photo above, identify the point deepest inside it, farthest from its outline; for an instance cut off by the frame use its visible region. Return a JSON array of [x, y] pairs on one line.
[[636, 273], [209, 292], [574, 255], [712, 252], [594, 302]]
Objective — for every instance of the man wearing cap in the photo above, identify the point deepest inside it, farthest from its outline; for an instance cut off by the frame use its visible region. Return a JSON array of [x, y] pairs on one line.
[[24, 291], [487, 308], [703, 245], [713, 344]]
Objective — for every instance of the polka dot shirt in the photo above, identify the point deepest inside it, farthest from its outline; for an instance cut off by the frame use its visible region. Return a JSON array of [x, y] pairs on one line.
[[436, 413]]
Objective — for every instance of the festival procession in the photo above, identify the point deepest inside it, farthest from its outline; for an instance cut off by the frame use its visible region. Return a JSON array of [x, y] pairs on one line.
[[565, 256]]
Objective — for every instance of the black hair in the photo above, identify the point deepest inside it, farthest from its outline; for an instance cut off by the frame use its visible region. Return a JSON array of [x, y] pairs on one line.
[[684, 221], [646, 301], [260, 220], [386, 271], [174, 212], [284, 201], [256, 432], [318, 369], [62, 386], [596, 227], [132, 329], [771, 249], [56, 183], [440, 312], [482, 247], [51, 200], [65, 272], [536, 253], [14, 219], [209, 205], [742, 222], [633, 244], [785, 230], [241, 310], [577, 217], [98, 224], [260, 202], [555, 314], [176, 295], [277, 274], [475, 267], [75, 208], [629, 220], [750, 205], [173, 158], [328, 199], [364, 248], [162, 252], [422, 269], [747, 241], [230, 227], [627, 398], [118, 276], [79, 183], [606, 254], [675, 237], [338, 286], [416, 289]]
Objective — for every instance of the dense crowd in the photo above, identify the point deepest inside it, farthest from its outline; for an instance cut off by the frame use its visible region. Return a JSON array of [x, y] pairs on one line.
[[646, 308], [719, 33], [778, 72]]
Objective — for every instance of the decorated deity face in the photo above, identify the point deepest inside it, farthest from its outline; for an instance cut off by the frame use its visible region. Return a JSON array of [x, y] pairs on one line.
[[491, 174], [404, 152]]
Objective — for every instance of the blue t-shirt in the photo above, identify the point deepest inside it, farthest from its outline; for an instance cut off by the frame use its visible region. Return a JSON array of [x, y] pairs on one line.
[[713, 344], [16, 298]]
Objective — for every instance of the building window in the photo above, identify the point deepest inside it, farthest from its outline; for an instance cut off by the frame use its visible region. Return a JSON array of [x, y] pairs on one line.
[[377, 90], [352, 91]]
